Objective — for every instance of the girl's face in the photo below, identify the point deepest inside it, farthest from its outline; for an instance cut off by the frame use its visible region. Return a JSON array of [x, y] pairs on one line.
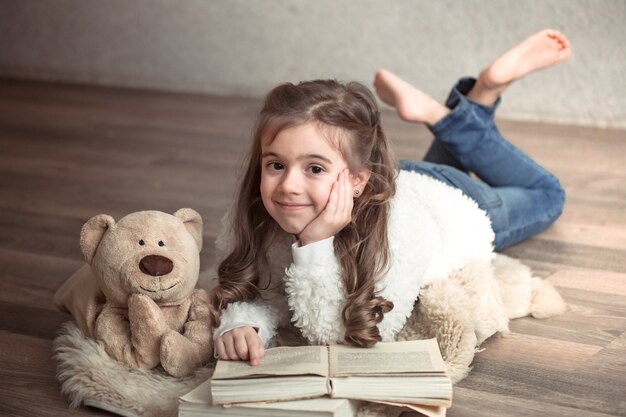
[[298, 169]]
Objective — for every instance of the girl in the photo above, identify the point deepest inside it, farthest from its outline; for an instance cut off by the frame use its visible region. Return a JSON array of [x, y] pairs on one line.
[[325, 232]]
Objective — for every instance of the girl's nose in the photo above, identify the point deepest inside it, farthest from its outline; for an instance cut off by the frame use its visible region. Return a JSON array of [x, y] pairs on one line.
[[291, 182]]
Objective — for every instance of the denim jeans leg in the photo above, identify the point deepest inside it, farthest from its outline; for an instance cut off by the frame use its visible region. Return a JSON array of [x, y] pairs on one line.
[[520, 197], [438, 154], [470, 135]]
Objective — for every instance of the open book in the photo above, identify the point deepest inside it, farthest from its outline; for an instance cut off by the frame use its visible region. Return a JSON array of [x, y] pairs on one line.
[[399, 372]]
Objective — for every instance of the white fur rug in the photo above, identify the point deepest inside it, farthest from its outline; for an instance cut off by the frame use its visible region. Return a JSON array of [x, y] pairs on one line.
[[89, 376]]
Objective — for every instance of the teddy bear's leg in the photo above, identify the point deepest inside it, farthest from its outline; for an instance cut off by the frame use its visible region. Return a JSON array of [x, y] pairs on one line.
[[181, 354], [147, 326], [113, 330]]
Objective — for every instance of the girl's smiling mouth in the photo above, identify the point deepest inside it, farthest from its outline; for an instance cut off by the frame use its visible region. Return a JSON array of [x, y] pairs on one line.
[[292, 206]]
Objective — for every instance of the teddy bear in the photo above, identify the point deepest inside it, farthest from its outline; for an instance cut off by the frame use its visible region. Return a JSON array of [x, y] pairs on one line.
[[138, 295]]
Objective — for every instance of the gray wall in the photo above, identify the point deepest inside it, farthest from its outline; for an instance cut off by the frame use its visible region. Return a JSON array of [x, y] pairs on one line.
[[244, 47]]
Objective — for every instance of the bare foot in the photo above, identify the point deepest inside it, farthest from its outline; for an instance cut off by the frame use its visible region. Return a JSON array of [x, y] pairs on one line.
[[539, 51], [410, 103]]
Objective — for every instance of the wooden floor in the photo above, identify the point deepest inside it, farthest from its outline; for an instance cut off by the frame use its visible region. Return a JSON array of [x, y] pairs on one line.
[[69, 152]]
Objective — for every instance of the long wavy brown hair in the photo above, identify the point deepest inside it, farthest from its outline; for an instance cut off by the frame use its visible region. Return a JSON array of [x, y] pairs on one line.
[[362, 247]]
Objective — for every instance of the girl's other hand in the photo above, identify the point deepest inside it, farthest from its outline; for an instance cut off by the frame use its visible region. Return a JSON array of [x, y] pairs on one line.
[[241, 343], [335, 216]]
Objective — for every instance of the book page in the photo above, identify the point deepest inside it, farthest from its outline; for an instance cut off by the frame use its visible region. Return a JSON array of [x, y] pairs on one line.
[[417, 356], [427, 410], [300, 360], [199, 395]]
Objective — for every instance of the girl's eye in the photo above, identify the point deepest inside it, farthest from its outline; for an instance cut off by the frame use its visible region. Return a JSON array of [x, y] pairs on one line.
[[275, 166], [316, 169]]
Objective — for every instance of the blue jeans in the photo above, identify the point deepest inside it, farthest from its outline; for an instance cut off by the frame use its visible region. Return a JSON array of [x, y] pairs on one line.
[[520, 197]]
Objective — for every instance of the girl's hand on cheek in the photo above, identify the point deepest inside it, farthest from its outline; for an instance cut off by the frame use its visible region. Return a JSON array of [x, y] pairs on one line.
[[335, 216], [240, 344]]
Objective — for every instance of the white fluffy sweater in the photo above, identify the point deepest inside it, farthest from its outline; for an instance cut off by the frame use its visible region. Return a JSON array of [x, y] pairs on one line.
[[433, 230]]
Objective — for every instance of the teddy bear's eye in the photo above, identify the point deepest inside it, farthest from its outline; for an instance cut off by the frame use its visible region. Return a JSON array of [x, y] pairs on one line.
[[161, 243], [141, 242]]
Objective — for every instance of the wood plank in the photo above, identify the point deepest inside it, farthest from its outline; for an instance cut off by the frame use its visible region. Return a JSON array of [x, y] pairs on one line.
[[590, 280], [519, 377], [610, 363], [543, 351], [612, 236], [472, 402], [593, 318], [28, 385], [568, 253], [39, 322]]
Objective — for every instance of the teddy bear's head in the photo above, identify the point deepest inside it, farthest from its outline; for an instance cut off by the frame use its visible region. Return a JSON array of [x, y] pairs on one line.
[[147, 252]]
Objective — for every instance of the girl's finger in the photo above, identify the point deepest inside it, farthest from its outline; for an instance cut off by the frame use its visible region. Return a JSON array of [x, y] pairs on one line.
[[341, 195], [331, 206], [349, 197], [220, 349], [346, 199], [229, 345], [241, 347], [255, 348]]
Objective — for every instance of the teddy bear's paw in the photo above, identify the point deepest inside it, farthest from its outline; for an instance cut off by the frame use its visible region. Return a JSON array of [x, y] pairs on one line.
[[179, 356], [143, 306]]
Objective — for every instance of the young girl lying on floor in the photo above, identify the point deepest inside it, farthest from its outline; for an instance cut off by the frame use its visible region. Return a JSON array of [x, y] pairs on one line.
[[328, 234]]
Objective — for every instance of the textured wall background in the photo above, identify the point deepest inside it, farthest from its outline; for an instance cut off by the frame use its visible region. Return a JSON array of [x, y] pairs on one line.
[[244, 47]]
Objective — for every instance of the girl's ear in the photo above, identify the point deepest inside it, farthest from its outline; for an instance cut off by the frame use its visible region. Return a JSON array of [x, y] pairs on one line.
[[361, 178]]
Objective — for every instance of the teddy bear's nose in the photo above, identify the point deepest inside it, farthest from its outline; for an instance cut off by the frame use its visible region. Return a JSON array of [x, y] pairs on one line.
[[156, 265]]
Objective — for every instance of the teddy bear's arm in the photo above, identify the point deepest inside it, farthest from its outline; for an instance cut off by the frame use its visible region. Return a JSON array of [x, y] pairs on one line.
[[147, 327]]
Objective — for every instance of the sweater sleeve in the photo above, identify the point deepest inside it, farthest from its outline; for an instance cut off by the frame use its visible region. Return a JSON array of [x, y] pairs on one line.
[[263, 315], [315, 292]]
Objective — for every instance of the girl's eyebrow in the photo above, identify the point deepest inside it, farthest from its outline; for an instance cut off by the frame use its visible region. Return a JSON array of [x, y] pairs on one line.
[[300, 157]]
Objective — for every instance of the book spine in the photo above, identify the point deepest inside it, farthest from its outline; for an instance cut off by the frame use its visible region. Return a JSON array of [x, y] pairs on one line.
[[329, 379]]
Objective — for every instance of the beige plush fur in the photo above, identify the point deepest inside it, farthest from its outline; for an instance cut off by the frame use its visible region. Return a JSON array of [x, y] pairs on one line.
[[475, 303], [147, 311]]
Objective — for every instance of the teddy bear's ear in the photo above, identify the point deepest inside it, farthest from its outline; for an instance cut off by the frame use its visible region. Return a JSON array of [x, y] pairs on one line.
[[193, 223], [92, 232]]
